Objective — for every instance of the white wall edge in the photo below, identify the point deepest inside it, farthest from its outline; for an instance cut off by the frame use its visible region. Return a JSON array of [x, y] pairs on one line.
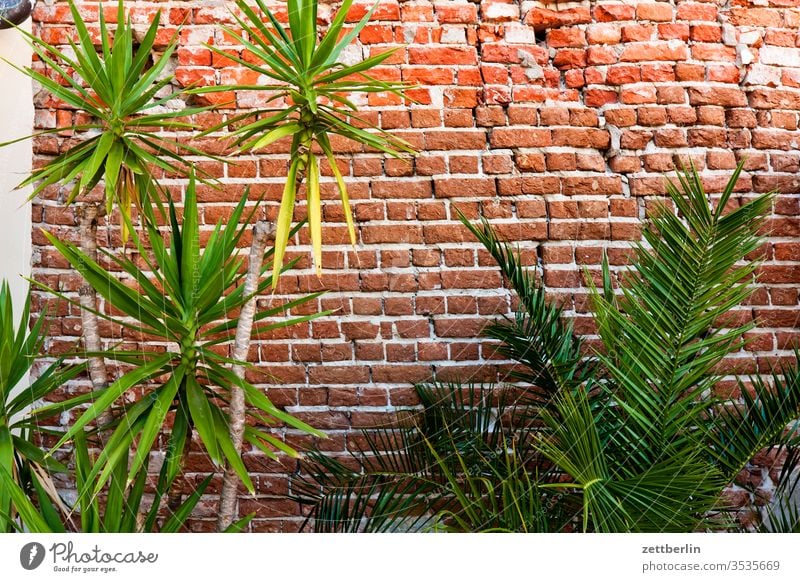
[[16, 120]]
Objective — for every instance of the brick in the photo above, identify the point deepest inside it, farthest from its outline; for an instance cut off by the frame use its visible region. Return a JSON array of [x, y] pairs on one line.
[[652, 116], [582, 137], [490, 116], [638, 94], [713, 52], [752, 16], [773, 99], [636, 33], [570, 58], [621, 117], [622, 74], [655, 11], [429, 75], [601, 55], [674, 31], [655, 51], [401, 374], [659, 73], [624, 164], [468, 279], [543, 18], [406, 189], [497, 164], [563, 209], [459, 97], [728, 73], [611, 12], [456, 13], [442, 56], [773, 55], [533, 162], [391, 234], [461, 327], [727, 97], [603, 34], [791, 78], [669, 94], [531, 209], [689, 72], [500, 11], [583, 117], [504, 137], [706, 33], [561, 162], [455, 140], [566, 37], [594, 185], [425, 118], [195, 76], [635, 139], [696, 11], [376, 34], [464, 187]]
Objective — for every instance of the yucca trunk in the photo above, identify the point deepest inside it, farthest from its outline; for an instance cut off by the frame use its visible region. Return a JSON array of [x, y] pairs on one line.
[[262, 233], [89, 215]]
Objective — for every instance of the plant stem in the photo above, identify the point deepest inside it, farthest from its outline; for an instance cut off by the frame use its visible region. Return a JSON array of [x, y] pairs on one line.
[[89, 214], [262, 233]]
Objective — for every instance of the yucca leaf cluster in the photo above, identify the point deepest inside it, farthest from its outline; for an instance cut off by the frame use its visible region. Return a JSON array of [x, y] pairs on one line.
[[311, 100], [186, 296], [130, 107]]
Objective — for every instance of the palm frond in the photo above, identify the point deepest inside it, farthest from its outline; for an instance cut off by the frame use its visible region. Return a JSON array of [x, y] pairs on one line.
[[766, 419], [539, 336], [456, 464]]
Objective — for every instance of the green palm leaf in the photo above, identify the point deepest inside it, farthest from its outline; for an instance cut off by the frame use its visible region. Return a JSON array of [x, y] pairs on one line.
[[662, 345]]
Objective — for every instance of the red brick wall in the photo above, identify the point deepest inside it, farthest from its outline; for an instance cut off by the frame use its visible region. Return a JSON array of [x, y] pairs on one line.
[[557, 121]]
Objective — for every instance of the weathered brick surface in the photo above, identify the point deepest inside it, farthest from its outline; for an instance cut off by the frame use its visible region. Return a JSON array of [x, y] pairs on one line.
[[557, 121]]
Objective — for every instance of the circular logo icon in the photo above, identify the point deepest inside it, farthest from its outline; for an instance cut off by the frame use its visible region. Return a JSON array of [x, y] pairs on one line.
[[31, 555]]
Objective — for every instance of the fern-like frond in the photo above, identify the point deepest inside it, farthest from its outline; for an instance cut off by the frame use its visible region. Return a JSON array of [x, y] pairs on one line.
[[538, 336], [457, 464], [665, 337], [766, 418]]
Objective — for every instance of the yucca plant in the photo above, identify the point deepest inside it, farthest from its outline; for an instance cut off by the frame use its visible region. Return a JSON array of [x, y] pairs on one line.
[[127, 104], [633, 437], [188, 297], [21, 457], [125, 112], [311, 99], [126, 507]]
